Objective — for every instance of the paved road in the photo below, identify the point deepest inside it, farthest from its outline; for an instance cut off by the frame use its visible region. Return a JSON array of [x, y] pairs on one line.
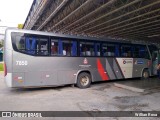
[[99, 97]]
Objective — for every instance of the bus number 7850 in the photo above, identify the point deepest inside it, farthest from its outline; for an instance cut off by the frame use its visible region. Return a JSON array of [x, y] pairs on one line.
[[22, 62]]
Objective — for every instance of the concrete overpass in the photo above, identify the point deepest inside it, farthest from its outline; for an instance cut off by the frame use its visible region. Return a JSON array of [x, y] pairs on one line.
[[119, 19]]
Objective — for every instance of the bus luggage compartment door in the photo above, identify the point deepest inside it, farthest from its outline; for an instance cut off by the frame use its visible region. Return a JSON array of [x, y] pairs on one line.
[[41, 78]]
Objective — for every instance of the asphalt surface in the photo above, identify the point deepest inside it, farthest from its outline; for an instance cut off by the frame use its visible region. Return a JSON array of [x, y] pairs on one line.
[[99, 97]]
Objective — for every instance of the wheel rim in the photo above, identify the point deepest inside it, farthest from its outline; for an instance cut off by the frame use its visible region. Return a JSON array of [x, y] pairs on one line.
[[84, 80], [145, 74]]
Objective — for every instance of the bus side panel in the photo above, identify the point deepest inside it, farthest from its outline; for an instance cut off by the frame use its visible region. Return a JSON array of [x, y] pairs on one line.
[[126, 66], [18, 79], [8, 62], [8, 58], [41, 78], [48, 78], [56, 71], [34, 78], [138, 65], [38, 71], [66, 77], [110, 69], [97, 68], [113, 69]]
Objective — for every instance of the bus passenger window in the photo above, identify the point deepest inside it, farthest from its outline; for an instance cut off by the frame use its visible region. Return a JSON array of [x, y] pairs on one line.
[[74, 48], [54, 47], [136, 51], [97, 49], [30, 44], [82, 49], [126, 51], [108, 49], [87, 49], [26, 44], [20, 43], [43, 46], [143, 52], [104, 50], [66, 48], [90, 49]]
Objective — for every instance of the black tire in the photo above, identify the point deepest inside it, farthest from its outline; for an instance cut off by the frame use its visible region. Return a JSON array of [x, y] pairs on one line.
[[145, 74], [83, 80]]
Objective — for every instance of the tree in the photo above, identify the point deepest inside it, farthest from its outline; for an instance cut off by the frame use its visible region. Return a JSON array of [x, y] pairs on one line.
[[1, 43]]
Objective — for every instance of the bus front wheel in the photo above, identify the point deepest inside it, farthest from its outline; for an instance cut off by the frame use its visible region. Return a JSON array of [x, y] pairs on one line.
[[84, 80], [145, 74]]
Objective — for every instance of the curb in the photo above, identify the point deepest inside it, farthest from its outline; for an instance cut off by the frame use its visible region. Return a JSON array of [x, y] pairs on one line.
[[129, 87]]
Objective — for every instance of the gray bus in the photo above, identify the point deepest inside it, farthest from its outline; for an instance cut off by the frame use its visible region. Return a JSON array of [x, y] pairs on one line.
[[41, 59]]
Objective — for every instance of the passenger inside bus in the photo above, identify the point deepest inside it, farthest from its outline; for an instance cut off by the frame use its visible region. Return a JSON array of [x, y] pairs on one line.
[[54, 48], [43, 50], [68, 50]]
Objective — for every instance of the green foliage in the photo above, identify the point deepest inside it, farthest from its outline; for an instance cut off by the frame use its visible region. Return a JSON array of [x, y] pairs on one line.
[[1, 67], [1, 43]]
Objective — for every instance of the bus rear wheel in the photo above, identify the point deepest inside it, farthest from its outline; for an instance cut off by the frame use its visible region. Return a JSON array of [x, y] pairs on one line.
[[84, 80], [145, 74]]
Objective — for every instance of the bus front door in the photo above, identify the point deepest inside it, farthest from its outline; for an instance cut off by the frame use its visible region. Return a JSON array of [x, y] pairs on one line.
[[155, 59]]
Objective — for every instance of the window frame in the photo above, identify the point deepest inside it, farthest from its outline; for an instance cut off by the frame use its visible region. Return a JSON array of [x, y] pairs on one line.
[[94, 43], [117, 45], [70, 40], [109, 44], [13, 40], [126, 45]]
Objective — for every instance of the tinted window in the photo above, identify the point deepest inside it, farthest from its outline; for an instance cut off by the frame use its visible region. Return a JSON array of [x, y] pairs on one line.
[[136, 51], [54, 47], [97, 49], [67, 47], [43, 46], [62, 47], [30, 44], [89, 49], [108, 49], [74, 48], [140, 51], [20, 43], [126, 50], [143, 52]]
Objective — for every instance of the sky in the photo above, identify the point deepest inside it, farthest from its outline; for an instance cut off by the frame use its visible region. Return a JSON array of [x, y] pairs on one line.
[[14, 12]]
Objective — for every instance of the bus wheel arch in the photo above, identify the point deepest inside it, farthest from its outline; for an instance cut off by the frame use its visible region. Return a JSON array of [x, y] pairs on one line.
[[145, 73], [84, 79]]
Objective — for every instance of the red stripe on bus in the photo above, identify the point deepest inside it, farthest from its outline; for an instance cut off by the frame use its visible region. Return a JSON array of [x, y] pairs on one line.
[[101, 70]]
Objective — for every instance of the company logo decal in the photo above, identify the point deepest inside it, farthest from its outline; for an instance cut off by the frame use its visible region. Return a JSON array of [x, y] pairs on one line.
[[18, 79], [124, 62], [85, 61], [127, 61], [139, 62]]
